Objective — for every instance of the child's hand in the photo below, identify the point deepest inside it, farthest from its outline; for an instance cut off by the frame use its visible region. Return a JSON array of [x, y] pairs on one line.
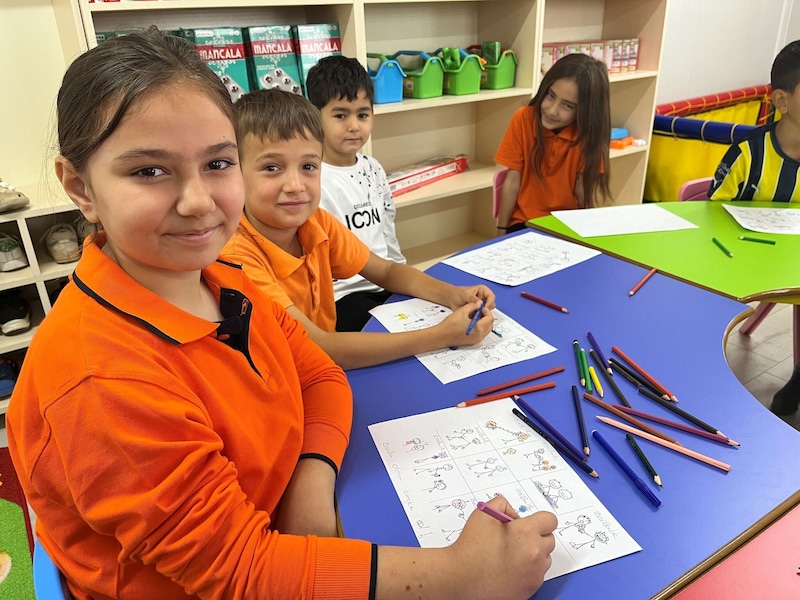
[[471, 294], [453, 329], [504, 560]]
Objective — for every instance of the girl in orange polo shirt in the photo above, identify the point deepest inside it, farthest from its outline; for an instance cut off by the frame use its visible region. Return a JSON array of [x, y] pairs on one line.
[[556, 147]]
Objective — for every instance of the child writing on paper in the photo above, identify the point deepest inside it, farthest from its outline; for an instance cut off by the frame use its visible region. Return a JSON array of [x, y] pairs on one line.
[[556, 148], [764, 166], [294, 250], [354, 186], [187, 444]]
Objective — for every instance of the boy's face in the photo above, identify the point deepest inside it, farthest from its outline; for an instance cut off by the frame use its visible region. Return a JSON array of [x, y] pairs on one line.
[[281, 182], [347, 126]]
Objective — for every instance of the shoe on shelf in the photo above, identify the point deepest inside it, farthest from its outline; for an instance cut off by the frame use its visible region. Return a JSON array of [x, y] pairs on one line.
[[61, 242], [786, 400], [11, 199], [12, 256], [15, 313], [8, 376]]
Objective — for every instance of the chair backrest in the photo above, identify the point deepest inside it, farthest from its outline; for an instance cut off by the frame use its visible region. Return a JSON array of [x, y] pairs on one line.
[[497, 186], [695, 189], [47, 580]]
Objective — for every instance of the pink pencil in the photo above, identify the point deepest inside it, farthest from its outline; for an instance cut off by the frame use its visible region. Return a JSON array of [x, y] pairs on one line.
[[490, 510]]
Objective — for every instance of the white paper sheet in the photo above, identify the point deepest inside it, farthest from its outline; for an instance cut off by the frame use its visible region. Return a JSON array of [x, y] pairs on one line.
[[522, 258], [513, 344], [443, 463], [766, 220], [620, 220]]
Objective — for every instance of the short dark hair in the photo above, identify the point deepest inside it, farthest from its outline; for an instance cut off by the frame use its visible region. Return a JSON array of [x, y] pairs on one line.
[[335, 77], [785, 74], [276, 115]]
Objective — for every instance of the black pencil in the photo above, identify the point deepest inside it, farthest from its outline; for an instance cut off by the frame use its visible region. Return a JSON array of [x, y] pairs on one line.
[[610, 379], [682, 413], [581, 423], [565, 452], [634, 377], [635, 445]]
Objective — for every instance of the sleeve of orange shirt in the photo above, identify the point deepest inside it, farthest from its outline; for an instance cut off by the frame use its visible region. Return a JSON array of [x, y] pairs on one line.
[[517, 140], [348, 254]]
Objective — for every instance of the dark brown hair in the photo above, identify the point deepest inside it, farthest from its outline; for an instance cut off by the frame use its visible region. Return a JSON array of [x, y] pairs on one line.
[[277, 115], [102, 84], [593, 120], [785, 72]]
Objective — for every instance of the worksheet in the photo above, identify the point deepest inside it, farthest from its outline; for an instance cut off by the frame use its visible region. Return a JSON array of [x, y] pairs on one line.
[[518, 259], [443, 463], [508, 343], [766, 220], [621, 220]]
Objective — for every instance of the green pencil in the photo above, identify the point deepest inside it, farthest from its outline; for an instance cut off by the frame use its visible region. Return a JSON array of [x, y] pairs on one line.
[[581, 374], [722, 247], [759, 240], [586, 380]]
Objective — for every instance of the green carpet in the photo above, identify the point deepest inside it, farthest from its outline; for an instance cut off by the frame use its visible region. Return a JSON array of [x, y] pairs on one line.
[[16, 539]]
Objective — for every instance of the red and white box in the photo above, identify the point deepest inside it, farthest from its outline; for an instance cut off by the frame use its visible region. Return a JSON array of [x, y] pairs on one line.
[[423, 173]]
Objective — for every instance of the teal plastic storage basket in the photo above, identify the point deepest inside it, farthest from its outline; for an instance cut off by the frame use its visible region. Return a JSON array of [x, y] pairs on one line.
[[387, 79]]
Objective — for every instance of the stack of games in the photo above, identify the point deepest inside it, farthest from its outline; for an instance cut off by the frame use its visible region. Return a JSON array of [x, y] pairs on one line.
[[271, 58], [223, 49], [314, 42]]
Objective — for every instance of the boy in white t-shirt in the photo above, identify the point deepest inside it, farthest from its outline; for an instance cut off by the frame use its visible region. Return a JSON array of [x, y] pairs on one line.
[[354, 186]]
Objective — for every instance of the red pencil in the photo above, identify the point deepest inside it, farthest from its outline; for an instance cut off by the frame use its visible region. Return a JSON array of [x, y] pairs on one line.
[[502, 386], [687, 428], [508, 394], [643, 426], [643, 373], [644, 279], [543, 301]]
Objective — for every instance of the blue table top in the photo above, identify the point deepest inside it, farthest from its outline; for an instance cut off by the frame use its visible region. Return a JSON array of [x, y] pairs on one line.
[[676, 331]]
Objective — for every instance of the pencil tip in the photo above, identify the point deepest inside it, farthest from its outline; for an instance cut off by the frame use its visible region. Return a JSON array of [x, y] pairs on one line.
[[594, 474], [564, 310], [586, 450], [461, 405], [733, 442], [657, 479]]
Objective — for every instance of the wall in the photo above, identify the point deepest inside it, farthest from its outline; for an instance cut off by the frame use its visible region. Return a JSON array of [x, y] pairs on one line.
[[718, 45]]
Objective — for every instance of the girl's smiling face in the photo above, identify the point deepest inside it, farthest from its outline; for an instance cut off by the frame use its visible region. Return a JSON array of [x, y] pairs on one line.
[[560, 104]]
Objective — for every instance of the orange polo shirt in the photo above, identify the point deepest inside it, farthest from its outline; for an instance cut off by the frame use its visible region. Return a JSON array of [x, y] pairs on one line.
[[155, 446], [330, 251], [561, 165]]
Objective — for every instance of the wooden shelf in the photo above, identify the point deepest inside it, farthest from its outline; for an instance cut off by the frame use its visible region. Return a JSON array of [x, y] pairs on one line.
[[477, 177], [447, 100]]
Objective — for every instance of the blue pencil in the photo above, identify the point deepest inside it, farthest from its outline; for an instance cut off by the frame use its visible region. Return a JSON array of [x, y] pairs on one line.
[[604, 361], [637, 481], [475, 317], [528, 409]]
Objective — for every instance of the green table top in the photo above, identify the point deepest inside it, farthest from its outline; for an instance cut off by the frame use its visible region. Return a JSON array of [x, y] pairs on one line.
[[756, 271]]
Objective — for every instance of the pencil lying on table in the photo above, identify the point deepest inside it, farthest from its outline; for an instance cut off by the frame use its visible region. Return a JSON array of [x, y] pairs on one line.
[[610, 379], [681, 413], [643, 373], [629, 419], [644, 279], [543, 301], [521, 380], [635, 378], [501, 395], [715, 437], [657, 440]]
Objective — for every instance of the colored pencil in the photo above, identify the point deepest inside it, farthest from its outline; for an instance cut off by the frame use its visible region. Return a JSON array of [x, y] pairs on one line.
[[604, 364], [643, 373], [759, 240], [643, 459], [626, 468], [715, 437], [657, 440], [587, 382], [531, 412], [508, 384], [543, 301], [576, 347], [566, 453], [610, 379], [642, 281], [475, 317], [508, 394], [634, 377], [596, 381], [581, 423], [493, 512], [629, 419], [722, 247], [681, 413]]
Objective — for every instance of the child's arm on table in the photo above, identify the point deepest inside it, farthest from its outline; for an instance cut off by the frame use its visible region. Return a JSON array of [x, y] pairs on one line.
[[490, 559], [508, 199], [307, 504]]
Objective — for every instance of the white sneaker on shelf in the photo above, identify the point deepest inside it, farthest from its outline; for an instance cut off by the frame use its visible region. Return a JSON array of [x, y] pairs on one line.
[[61, 242], [11, 199], [12, 256]]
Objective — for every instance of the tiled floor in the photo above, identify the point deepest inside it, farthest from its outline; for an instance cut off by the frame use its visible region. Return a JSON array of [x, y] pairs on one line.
[[763, 362]]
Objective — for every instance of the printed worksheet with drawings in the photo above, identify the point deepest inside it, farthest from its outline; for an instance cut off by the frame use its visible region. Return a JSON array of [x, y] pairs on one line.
[[444, 462], [766, 220]]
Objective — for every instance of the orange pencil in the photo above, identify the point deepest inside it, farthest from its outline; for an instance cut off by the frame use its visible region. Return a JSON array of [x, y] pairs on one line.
[[657, 440], [502, 386], [508, 394], [644, 373], [644, 279], [629, 419]]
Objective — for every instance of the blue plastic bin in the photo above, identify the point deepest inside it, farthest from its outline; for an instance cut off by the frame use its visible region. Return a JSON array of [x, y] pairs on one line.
[[387, 79]]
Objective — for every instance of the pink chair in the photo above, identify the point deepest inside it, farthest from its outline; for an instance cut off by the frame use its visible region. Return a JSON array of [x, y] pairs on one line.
[[497, 186], [697, 189]]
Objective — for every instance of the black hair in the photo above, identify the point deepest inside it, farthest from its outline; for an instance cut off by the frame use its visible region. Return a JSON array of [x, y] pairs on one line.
[[785, 74], [335, 77]]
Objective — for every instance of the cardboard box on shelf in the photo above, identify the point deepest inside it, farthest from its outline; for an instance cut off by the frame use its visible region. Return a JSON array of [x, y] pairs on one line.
[[222, 48], [313, 42], [425, 172], [271, 58]]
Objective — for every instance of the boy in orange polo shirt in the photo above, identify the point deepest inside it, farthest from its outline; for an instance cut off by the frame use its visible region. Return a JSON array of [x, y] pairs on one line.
[[293, 250]]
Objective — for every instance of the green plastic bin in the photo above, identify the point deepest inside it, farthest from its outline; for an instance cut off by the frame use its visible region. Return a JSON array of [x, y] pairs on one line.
[[425, 81], [501, 75], [462, 71]]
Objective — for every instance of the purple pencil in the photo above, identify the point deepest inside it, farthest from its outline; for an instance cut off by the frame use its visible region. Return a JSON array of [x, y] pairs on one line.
[[600, 354], [553, 431]]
